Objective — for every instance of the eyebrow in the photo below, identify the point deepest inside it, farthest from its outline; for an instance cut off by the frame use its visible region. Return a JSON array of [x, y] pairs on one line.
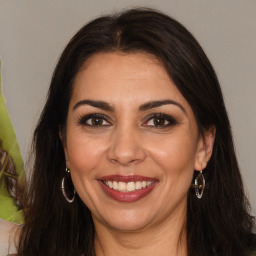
[[146, 106], [159, 103], [94, 103]]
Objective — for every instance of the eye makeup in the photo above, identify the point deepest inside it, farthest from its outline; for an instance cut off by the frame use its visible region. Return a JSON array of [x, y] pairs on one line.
[[159, 121], [94, 120], [154, 120]]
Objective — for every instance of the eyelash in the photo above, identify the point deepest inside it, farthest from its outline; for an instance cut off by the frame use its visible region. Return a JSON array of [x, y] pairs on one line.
[[103, 118], [84, 119], [160, 116]]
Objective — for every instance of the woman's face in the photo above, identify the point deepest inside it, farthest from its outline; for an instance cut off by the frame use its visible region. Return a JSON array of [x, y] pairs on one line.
[[131, 142]]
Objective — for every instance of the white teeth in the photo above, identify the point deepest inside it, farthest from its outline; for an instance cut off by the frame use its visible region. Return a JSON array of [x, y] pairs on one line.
[[138, 185], [129, 186], [110, 184], [122, 186], [149, 183], [115, 185]]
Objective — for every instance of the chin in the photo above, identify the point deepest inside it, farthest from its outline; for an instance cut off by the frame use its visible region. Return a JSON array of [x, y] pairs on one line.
[[125, 221]]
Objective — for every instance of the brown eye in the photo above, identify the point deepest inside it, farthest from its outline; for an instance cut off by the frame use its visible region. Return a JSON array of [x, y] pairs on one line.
[[95, 120], [160, 121]]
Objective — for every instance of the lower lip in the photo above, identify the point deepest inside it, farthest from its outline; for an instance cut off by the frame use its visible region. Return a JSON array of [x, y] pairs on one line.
[[128, 196]]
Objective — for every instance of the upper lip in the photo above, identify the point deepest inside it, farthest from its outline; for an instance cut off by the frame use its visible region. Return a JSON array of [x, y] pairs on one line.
[[126, 178]]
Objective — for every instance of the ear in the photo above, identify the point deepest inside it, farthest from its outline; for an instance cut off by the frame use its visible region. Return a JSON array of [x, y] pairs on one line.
[[204, 148], [64, 144]]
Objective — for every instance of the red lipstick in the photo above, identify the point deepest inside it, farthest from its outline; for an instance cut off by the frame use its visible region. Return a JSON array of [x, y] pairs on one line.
[[132, 196]]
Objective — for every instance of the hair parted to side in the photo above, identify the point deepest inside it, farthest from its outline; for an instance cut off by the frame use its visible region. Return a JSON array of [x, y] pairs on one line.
[[218, 224]]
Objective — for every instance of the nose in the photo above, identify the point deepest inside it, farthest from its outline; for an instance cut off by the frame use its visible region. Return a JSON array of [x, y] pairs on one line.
[[126, 147]]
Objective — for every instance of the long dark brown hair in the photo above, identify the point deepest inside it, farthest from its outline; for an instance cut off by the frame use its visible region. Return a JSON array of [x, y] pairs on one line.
[[217, 224]]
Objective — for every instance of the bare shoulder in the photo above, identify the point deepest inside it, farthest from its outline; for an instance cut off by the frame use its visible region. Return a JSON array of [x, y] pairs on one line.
[[8, 237]]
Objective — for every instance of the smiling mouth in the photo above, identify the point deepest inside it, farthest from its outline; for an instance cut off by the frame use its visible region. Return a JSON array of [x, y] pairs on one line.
[[127, 187]]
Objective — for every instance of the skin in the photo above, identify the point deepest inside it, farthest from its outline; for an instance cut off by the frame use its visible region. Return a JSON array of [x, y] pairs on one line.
[[128, 142]]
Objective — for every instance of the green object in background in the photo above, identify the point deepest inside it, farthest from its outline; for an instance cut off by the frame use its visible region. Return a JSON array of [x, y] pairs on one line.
[[8, 210]]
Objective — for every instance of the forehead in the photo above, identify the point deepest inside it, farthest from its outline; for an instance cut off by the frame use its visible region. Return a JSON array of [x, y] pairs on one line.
[[124, 77], [122, 66]]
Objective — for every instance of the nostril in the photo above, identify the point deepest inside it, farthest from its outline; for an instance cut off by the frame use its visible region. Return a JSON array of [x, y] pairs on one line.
[[126, 147], [126, 157], [124, 160]]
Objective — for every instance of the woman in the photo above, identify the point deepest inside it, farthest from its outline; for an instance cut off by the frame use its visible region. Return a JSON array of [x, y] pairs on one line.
[[133, 150]]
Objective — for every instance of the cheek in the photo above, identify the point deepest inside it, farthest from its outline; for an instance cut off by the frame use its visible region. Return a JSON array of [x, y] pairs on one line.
[[175, 155], [84, 153]]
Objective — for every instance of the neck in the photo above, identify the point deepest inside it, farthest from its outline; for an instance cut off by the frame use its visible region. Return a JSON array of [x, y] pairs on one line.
[[161, 240]]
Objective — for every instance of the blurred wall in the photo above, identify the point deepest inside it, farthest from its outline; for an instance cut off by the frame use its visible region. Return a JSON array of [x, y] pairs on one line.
[[33, 34]]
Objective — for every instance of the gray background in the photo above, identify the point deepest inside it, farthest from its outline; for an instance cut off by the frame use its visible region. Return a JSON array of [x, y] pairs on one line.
[[33, 34]]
